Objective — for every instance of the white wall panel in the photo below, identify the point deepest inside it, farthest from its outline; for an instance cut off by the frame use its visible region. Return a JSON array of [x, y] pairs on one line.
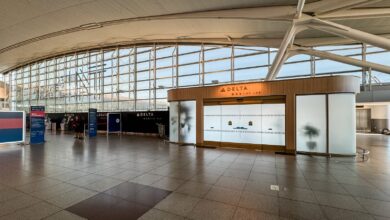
[[342, 124]]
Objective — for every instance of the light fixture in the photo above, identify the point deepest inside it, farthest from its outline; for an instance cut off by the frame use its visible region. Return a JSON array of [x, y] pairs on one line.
[[90, 26]]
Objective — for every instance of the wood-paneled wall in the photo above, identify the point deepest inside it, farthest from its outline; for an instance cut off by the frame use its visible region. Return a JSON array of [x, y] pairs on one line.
[[287, 88]]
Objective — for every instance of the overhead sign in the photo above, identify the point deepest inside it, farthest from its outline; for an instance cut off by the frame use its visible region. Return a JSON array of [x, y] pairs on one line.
[[92, 122], [37, 124], [12, 127]]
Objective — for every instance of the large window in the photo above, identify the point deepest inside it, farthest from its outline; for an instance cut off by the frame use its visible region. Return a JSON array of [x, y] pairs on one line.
[[137, 77]]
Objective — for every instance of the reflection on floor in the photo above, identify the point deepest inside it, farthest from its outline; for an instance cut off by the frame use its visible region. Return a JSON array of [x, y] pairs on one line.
[[129, 177]]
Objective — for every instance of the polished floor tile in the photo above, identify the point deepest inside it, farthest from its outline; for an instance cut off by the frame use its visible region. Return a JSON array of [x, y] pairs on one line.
[[209, 210], [264, 203], [343, 214], [155, 214], [339, 201], [225, 195], [177, 203], [250, 214], [299, 210], [103, 206], [130, 177]]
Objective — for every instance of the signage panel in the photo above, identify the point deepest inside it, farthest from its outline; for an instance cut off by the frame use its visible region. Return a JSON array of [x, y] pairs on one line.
[[92, 122], [12, 127], [113, 122], [37, 124]]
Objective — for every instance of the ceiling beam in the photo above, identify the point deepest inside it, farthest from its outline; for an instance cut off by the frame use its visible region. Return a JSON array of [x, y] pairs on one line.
[[357, 14], [329, 6], [347, 32], [342, 59], [300, 6], [282, 54]]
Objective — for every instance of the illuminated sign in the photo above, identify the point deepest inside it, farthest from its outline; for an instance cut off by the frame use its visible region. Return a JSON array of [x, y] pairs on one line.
[[239, 90]]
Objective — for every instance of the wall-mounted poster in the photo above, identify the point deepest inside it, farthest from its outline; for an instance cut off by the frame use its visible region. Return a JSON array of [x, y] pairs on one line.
[[311, 123], [174, 121], [187, 122], [37, 124]]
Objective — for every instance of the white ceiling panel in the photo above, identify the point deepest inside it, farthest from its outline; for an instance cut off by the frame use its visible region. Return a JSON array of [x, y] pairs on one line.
[[33, 29]]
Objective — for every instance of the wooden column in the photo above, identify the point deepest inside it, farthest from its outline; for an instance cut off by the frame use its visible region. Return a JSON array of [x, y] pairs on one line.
[[290, 123], [199, 121]]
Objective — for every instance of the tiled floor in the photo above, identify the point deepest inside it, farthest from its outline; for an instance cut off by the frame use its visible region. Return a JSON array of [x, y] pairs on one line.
[[129, 177]]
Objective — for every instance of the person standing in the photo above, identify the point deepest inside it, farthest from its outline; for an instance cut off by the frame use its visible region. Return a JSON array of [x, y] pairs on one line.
[[81, 127], [78, 127]]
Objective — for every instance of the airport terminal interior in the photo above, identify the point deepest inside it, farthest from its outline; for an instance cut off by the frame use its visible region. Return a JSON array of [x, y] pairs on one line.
[[195, 109]]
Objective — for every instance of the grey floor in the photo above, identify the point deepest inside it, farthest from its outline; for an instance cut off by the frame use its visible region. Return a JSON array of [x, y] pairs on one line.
[[43, 181]]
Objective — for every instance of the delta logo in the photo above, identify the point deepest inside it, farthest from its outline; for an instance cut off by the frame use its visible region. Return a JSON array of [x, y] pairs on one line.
[[234, 89]]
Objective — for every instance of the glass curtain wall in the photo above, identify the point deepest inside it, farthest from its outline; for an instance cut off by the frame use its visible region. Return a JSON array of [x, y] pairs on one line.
[[137, 77]]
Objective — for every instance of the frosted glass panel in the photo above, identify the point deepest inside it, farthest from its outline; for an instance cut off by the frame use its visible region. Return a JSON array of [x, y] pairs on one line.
[[273, 124], [342, 124], [311, 123], [187, 125], [230, 109], [251, 128], [244, 123], [253, 109], [173, 121], [212, 123], [230, 123], [273, 109], [212, 110], [230, 120]]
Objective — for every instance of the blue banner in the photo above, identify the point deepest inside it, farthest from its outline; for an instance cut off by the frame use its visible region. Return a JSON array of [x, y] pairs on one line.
[[37, 124], [114, 122], [92, 122]]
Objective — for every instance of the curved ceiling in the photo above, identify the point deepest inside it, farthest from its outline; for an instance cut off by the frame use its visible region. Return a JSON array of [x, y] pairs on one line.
[[31, 30]]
